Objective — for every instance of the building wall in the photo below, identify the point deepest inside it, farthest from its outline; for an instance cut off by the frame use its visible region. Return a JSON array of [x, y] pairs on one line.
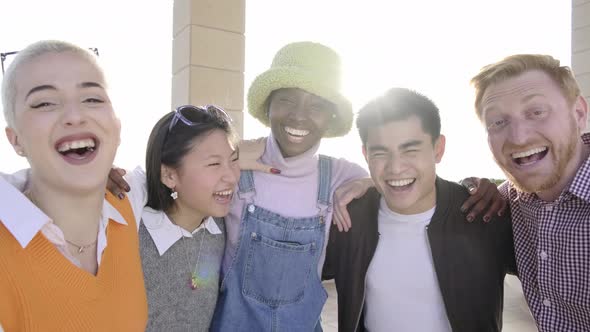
[[209, 50], [208, 55], [581, 44]]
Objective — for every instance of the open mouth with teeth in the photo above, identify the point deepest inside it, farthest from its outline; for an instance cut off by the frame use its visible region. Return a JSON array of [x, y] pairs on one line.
[[296, 135], [402, 184], [530, 156], [77, 150], [223, 197]]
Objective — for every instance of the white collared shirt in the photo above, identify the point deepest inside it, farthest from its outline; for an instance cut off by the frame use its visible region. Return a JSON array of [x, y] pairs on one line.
[[15, 209], [165, 233], [24, 220]]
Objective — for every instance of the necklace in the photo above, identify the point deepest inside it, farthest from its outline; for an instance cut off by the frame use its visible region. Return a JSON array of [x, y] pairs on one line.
[[193, 280], [81, 248]]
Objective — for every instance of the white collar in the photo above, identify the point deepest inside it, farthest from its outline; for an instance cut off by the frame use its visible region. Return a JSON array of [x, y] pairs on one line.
[[110, 213], [24, 219], [164, 233], [21, 217]]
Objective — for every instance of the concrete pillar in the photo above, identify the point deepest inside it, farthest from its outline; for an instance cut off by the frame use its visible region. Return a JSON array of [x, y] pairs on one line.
[[208, 55], [581, 45]]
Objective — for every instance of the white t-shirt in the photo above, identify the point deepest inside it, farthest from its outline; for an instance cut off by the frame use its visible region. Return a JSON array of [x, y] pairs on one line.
[[402, 291]]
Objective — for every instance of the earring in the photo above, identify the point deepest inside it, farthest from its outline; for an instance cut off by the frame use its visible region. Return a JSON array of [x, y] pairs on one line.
[[333, 116], [20, 153], [174, 195]]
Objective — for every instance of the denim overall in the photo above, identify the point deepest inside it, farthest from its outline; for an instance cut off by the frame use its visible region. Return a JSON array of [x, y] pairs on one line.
[[273, 282]]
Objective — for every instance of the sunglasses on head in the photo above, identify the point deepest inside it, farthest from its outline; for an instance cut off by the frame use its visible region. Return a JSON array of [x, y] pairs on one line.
[[4, 56], [209, 109]]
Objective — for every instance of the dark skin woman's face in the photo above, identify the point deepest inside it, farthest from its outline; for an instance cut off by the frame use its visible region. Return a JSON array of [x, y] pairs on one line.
[[298, 119]]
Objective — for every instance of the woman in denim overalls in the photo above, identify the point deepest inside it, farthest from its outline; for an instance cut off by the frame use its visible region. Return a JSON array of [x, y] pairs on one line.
[[277, 226]]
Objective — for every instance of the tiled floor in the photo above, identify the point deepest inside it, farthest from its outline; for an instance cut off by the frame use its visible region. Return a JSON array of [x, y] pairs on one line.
[[517, 317]]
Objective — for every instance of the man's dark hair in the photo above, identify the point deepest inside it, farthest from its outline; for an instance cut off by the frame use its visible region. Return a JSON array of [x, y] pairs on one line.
[[395, 105]]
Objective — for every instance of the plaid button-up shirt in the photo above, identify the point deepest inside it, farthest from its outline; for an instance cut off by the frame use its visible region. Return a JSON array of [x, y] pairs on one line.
[[552, 244]]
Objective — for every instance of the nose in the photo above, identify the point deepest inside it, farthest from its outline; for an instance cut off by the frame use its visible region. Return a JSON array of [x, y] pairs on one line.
[[396, 165], [231, 174], [73, 115], [300, 112], [518, 132]]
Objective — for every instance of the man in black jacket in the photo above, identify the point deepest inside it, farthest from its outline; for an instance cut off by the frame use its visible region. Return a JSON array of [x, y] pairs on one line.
[[410, 261]]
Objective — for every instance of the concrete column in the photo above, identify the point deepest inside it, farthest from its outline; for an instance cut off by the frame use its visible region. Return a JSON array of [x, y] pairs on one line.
[[208, 55], [581, 45]]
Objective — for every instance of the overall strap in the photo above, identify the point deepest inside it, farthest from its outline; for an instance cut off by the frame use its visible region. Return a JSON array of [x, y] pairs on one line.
[[324, 182], [246, 188]]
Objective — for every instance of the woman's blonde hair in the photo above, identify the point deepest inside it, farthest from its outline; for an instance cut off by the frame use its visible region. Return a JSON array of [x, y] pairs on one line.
[[27, 55]]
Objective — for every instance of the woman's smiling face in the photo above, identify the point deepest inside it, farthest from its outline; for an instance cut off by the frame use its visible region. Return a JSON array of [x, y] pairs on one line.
[[64, 122], [298, 119]]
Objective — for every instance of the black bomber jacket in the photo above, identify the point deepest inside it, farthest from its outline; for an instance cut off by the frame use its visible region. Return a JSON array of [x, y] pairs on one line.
[[470, 260]]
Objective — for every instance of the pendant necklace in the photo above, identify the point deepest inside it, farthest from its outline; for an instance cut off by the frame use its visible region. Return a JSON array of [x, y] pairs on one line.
[[81, 248], [193, 280]]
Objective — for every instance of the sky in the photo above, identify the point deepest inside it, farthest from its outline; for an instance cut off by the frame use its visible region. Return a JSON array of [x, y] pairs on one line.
[[431, 46]]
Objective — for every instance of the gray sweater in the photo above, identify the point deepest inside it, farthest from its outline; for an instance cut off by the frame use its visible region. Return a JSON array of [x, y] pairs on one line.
[[172, 304]]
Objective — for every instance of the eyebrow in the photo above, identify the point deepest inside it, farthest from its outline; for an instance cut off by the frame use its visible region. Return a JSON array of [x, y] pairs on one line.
[[83, 85], [40, 88], [410, 144], [531, 96], [90, 85], [219, 156], [524, 100], [373, 148]]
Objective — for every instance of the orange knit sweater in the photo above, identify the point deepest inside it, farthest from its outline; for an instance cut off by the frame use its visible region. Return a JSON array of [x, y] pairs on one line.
[[41, 290]]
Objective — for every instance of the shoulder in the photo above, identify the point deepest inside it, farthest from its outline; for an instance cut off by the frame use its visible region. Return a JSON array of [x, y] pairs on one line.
[[220, 222], [365, 207], [454, 195], [152, 219], [341, 163], [364, 212], [123, 206], [344, 170], [452, 190], [506, 189], [449, 198], [370, 198], [149, 213]]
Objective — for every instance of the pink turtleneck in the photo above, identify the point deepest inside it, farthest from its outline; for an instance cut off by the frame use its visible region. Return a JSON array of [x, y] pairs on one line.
[[293, 193]]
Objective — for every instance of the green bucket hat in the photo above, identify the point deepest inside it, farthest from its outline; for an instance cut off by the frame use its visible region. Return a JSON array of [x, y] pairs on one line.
[[308, 66]]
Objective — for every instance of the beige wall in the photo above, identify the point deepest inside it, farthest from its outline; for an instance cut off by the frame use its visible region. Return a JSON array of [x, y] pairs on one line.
[[208, 55], [581, 44], [209, 47]]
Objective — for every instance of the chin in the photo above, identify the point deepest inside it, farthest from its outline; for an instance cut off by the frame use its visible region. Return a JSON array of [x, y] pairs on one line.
[[84, 187], [75, 180], [218, 213]]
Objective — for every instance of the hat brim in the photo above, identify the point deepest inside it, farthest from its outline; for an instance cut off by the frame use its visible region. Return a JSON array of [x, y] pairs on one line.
[[290, 77]]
